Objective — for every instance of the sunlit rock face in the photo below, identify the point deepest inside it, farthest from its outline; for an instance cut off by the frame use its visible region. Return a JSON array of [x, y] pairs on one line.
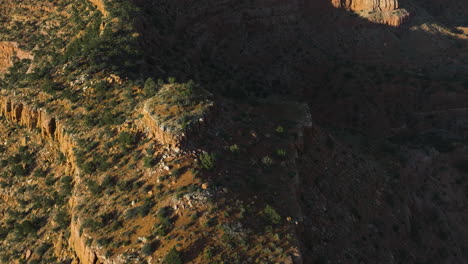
[[366, 4], [379, 11]]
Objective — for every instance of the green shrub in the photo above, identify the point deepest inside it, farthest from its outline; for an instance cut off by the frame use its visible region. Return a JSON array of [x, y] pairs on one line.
[[149, 248], [171, 80], [50, 87], [279, 130], [207, 160], [62, 218], [148, 162], [67, 185], [270, 214], [93, 187], [209, 252], [131, 213], [126, 139], [19, 170], [108, 181], [173, 257], [164, 227], [281, 153], [234, 148], [42, 249], [267, 161], [150, 88], [40, 173], [104, 241]]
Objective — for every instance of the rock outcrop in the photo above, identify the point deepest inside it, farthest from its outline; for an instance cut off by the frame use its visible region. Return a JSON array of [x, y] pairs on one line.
[[8, 52], [49, 127], [168, 136], [366, 4], [379, 11], [78, 241], [177, 114]]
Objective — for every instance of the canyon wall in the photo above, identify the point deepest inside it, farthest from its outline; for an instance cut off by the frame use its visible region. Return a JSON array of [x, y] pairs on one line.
[[366, 4], [50, 128], [15, 111], [379, 11], [84, 252]]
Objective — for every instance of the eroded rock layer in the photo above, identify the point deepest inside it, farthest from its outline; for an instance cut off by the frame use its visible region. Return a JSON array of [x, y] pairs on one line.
[[379, 11], [366, 4], [171, 138], [50, 127]]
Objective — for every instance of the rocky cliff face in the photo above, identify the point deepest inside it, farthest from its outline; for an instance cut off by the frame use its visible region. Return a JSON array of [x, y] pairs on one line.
[[52, 129], [84, 253], [168, 136], [366, 4], [31, 118], [380, 11]]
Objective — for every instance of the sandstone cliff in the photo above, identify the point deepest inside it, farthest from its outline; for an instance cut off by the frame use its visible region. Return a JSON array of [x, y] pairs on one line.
[[177, 113], [380, 11], [31, 118], [366, 4]]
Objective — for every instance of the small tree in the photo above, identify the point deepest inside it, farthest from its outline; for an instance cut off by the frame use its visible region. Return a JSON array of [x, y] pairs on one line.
[[150, 88], [207, 160]]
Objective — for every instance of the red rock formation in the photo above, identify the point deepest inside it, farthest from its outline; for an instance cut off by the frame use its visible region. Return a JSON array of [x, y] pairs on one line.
[[379, 11], [366, 4], [49, 127]]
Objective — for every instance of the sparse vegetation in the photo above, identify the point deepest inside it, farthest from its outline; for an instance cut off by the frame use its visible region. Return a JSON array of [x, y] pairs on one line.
[[207, 160], [173, 257]]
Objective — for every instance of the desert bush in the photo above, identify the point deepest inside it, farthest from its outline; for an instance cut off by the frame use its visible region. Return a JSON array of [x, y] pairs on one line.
[[93, 187], [148, 162], [150, 88], [40, 173], [149, 248], [209, 252], [67, 185], [126, 139], [270, 215], [173, 257], [42, 249], [207, 160], [19, 170], [267, 161], [279, 130], [281, 153], [164, 227], [50, 87], [62, 218], [234, 148]]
